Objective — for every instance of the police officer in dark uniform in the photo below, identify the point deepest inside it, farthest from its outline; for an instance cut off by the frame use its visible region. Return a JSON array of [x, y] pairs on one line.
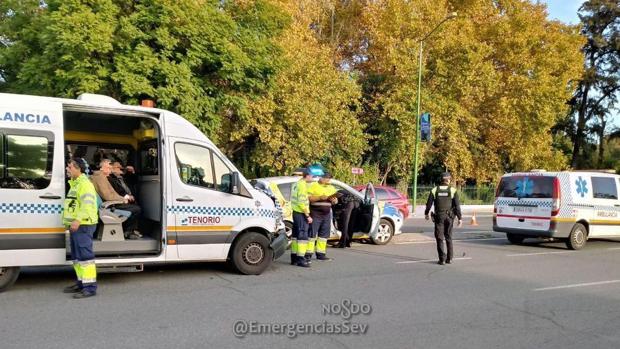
[[446, 201]]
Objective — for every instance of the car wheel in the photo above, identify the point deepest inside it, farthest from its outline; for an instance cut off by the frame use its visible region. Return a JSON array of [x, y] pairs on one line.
[[384, 234], [251, 254], [515, 238], [8, 276], [578, 237]]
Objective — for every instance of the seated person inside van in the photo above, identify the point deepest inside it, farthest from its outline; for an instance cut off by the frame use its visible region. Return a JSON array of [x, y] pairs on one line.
[[123, 184], [107, 193]]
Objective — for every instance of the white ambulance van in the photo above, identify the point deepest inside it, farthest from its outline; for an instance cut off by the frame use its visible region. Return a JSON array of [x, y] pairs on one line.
[[196, 206], [571, 206]]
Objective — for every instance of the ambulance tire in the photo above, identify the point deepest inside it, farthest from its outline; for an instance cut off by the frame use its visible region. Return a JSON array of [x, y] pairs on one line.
[[251, 254], [515, 238], [578, 237], [8, 276]]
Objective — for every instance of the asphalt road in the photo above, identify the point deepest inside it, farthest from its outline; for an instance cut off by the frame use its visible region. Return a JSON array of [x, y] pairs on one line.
[[495, 295]]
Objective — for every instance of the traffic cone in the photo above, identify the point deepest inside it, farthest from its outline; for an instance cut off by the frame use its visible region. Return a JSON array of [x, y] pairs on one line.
[[474, 222]]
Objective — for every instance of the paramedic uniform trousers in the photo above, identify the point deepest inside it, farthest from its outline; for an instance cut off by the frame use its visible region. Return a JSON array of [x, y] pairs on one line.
[[83, 257]]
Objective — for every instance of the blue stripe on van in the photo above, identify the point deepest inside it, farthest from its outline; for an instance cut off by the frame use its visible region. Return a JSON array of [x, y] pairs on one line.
[[20, 208]]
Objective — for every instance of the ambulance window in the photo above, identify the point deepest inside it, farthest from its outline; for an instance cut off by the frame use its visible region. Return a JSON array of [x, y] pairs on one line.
[[539, 187], [194, 165], [604, 188], [27, 161]]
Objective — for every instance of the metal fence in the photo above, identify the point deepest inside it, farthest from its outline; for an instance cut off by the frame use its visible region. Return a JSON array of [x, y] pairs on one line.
[[482, 195]]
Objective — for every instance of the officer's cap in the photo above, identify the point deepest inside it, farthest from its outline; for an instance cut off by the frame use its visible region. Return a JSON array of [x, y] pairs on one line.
[[446, 175]]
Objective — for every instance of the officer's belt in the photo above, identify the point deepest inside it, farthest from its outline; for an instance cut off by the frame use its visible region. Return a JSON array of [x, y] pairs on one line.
[[322, 204]]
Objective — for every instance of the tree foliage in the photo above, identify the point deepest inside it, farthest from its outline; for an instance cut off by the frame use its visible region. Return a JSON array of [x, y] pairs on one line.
[[279, 83]]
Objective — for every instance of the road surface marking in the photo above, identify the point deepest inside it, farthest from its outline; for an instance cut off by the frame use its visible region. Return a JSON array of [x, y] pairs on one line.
[[414, 242], [577, 285], [537, 253], [431, 260], [433, 241], [614, 248]]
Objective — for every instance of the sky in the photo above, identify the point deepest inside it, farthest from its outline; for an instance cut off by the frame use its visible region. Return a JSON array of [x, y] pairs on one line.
[[564, 10]]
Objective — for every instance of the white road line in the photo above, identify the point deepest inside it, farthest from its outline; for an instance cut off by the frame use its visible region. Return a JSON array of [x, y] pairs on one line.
[[433, 241], [484, 239], [414, 242], [614, 248], [537, 253], [577, 285], [430, 260]]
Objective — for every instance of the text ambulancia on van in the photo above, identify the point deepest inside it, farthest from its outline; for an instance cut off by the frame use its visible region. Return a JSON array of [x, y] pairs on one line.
[[195, 204], [572, 206]]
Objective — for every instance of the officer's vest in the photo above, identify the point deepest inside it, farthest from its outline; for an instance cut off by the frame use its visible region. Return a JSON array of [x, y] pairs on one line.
[[80, 202], [299, 197], [443, 198]]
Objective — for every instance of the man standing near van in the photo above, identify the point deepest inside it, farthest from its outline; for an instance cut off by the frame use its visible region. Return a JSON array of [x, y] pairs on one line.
[[301, 220], [80, 217], [322, 197], [446, 201]]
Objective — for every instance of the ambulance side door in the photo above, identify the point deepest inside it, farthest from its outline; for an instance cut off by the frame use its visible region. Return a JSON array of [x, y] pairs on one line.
[[204, 209]]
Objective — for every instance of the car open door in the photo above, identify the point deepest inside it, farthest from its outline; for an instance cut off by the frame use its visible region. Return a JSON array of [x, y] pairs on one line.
[[368, 219]]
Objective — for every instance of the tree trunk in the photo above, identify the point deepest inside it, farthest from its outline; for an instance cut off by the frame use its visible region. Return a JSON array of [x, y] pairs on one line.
[[581, 125], [601, 143]]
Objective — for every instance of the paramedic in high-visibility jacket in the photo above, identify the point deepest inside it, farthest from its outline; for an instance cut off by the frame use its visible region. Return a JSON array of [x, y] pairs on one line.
[[80, 218], [322, 196], [301, 220]]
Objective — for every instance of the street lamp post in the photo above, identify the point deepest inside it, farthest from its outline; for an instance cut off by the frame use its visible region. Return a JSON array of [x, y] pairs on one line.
[[417, 116]]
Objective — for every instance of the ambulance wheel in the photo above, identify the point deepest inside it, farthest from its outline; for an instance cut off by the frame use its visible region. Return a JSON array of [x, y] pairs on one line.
[[8, 276], [251, 254], [578, 237], [515, 239], [385, 233]]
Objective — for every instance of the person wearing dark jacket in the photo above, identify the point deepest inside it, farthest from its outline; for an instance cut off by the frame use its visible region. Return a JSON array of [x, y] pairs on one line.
[[446, 201]]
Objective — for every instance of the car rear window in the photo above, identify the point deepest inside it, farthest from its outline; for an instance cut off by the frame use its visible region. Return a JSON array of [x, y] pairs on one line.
[[540, 187]]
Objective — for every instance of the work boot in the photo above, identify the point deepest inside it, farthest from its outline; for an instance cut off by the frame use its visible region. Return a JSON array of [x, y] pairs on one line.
[[302, 262], [293, 259], [84, 294], [448, 261], [322, 257], [308, 257], [441, 262], [75, 288]]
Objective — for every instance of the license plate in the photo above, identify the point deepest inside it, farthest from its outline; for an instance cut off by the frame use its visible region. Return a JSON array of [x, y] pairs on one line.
[[519, 209]]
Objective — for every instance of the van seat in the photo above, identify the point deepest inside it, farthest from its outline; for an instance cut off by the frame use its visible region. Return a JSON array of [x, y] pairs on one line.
[[112, 219]]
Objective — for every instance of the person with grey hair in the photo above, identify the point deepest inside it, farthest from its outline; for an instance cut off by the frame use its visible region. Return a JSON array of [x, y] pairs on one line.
[[107, 193]]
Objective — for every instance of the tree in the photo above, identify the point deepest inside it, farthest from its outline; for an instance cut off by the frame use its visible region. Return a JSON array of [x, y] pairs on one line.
[[202, 58], [598, 89], [495, 80], [310, 113]]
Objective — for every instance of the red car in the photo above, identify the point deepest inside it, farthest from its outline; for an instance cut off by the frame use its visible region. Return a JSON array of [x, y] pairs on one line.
[[392, 196]]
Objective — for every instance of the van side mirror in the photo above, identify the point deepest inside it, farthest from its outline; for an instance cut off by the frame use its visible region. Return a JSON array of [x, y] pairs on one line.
[[233, 182]]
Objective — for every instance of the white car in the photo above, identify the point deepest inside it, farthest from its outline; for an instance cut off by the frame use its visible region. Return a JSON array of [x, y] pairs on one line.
[[375, 221], [571, 206]]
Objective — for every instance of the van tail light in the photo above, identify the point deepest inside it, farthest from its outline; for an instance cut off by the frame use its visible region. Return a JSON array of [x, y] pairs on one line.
[[557, 197]]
